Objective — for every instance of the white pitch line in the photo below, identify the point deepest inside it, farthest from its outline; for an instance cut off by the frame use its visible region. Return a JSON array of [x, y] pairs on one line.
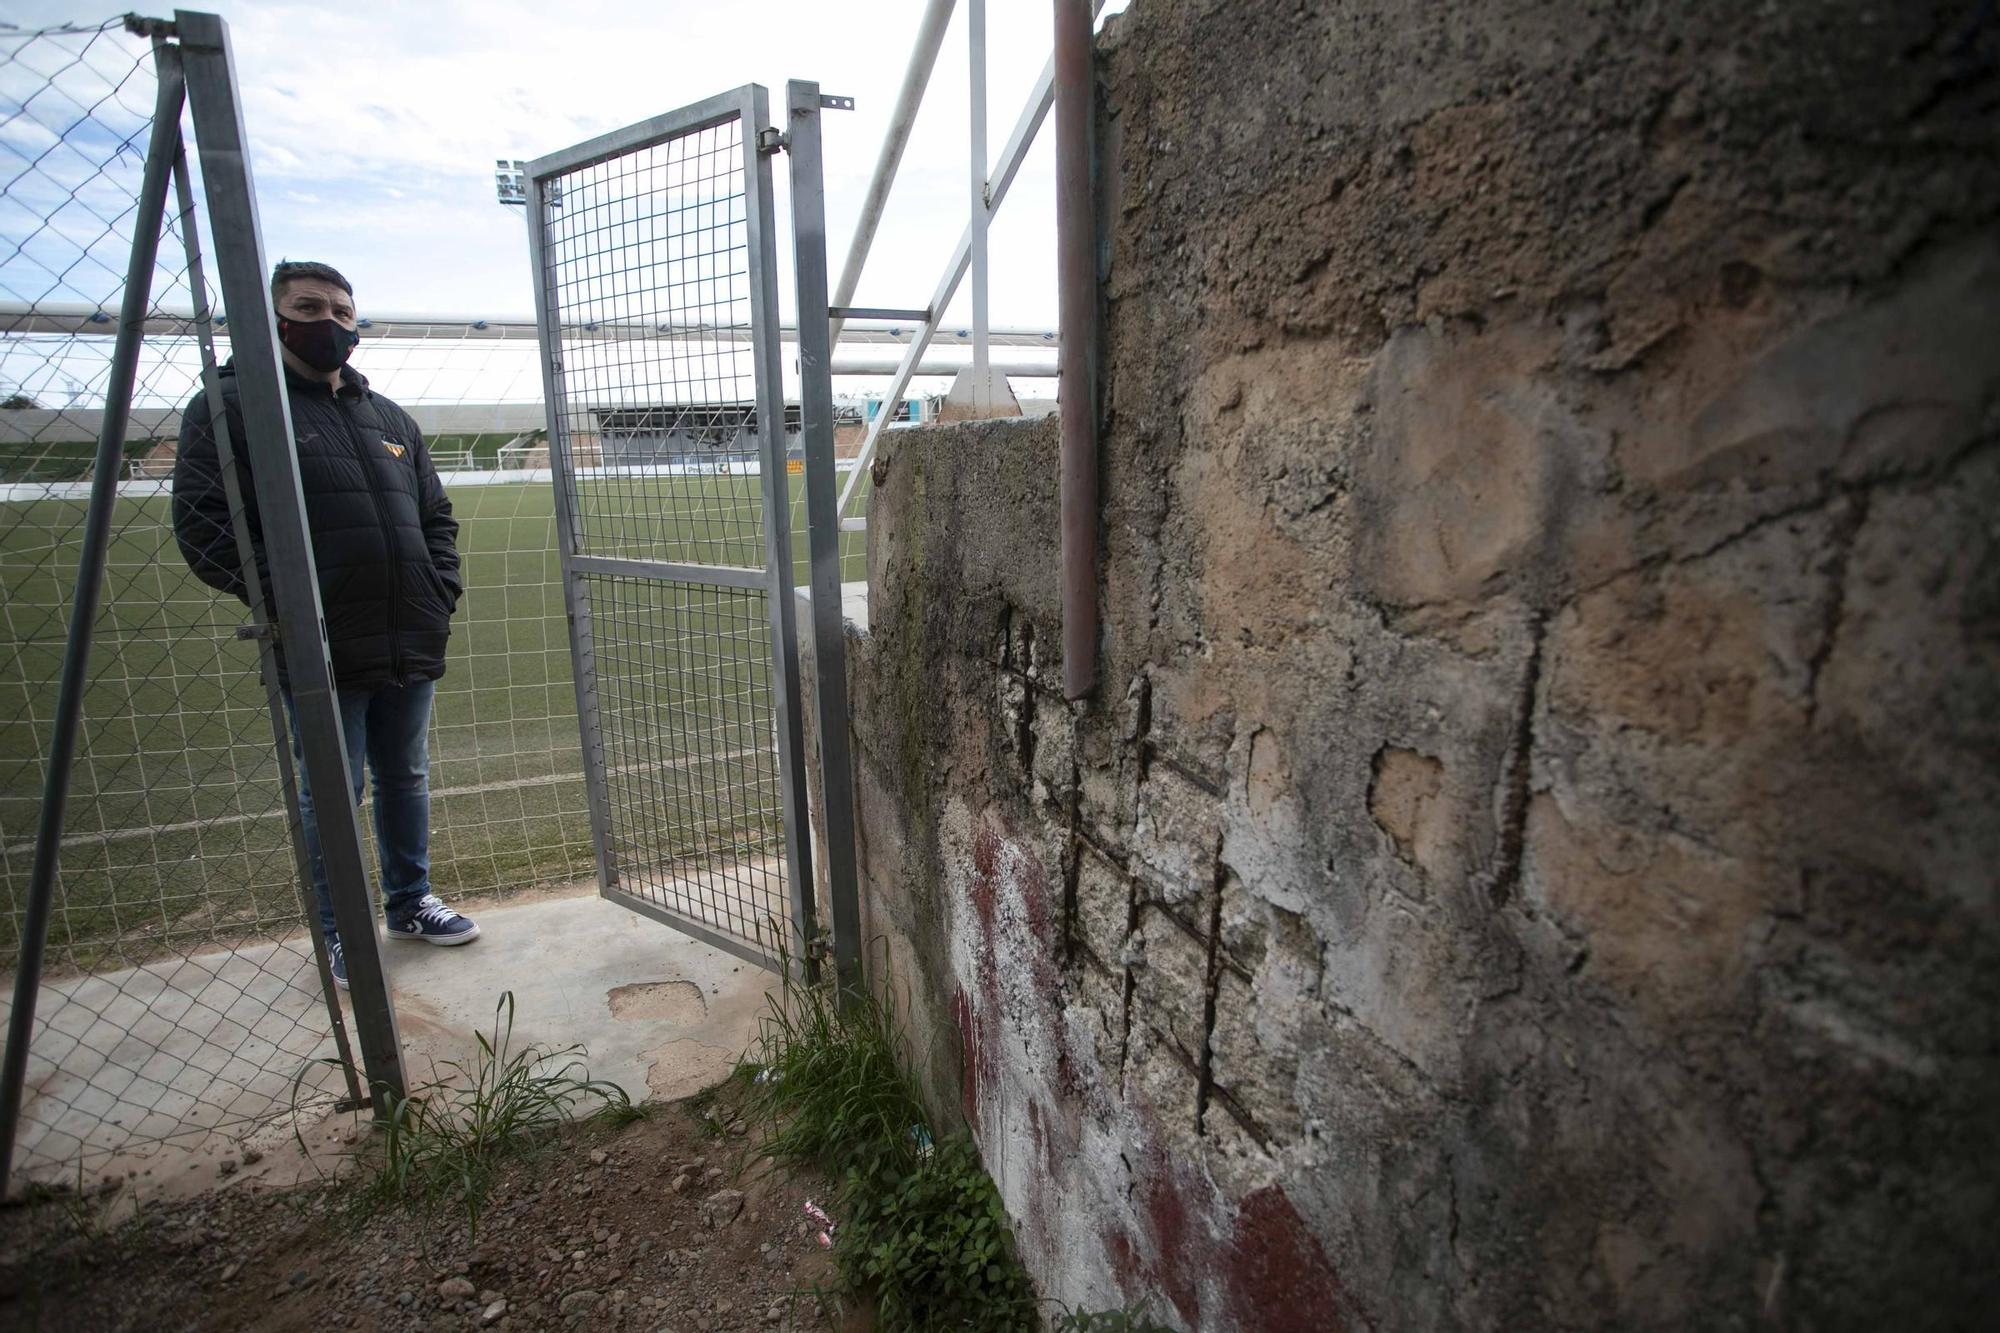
[[513, 784]]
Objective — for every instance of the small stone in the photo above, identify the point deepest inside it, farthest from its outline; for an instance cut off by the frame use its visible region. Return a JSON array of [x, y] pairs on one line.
[[227, 1166], [454, 1289], [720, 1208], [229, 1272], [252, 1156], [710, 1176], [577, 1302], [492, 1312], [680, 1183], [579, 1256], [598, 1157], [406, 1298], [488, 1297]]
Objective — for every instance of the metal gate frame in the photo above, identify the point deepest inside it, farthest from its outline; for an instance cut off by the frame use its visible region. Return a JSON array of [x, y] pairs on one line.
[[748, 105]]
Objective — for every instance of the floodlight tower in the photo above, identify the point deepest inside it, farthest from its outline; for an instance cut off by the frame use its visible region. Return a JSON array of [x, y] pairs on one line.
[[510, 181]]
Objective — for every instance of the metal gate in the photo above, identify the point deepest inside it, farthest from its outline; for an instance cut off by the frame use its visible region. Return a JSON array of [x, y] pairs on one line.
[[656, 296]]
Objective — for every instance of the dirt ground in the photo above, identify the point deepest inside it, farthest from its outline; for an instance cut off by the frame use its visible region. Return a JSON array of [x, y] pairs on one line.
[[669, 1223]]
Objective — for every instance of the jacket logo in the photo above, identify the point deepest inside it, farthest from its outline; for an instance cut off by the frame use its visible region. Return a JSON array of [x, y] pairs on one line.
[[395, 450]]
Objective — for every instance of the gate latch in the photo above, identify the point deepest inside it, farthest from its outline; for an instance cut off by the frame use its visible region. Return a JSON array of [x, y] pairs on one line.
[[770, 139]]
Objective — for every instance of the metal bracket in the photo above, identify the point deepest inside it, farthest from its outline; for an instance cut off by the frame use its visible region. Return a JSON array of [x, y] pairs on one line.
[[258, 633], [770, 139], [145, 27], [830, 102], [349, 1104]]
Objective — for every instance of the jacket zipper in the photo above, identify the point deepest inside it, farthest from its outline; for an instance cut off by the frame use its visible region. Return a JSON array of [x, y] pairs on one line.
[[388, 538]]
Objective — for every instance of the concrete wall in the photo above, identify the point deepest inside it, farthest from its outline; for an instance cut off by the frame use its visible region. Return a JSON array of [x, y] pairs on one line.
[[1531, 860]]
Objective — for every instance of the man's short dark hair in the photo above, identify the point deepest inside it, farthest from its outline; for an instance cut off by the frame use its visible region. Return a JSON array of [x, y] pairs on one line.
[[292, 270]]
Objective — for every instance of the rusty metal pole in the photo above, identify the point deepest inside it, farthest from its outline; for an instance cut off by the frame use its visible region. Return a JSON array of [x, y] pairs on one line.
[[1076, 268]]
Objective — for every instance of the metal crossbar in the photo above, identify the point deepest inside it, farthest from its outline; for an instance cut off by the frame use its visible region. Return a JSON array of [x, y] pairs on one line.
[[989, 190]]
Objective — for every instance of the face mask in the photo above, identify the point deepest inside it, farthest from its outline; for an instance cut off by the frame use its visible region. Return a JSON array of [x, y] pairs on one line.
[[320, 343]]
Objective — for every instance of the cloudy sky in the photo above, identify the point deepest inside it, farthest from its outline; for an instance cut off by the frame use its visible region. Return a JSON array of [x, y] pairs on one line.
[[375, 127]]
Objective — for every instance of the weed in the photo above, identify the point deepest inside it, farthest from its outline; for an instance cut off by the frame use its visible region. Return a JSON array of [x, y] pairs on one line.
[[830, 1078], [1129, 1320], [82, 1212], [920, 1227], [933, 1241], [443, 1143]]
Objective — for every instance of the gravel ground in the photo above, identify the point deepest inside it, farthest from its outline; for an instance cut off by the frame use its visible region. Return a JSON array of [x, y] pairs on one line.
[[664, 1224]]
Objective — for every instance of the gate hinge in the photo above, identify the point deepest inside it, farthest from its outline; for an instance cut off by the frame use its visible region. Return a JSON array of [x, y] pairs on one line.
[[770, 139], [835, 102]]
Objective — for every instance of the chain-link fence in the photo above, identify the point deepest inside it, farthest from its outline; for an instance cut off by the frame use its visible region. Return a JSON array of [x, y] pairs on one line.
[[179, 996], [508, 804], [180, 993]]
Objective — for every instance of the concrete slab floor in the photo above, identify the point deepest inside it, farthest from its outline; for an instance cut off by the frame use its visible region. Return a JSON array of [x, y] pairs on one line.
[[659, 1013]]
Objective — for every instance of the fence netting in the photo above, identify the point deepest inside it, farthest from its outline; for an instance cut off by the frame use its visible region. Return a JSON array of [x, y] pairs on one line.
[[179, 996]]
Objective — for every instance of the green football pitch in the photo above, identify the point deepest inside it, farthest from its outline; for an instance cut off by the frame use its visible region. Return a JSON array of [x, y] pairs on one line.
[[175, 829]]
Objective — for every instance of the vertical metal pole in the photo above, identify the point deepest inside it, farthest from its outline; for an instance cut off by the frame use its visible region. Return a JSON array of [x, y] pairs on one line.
[[168, 56], [267, 421], [132, 309], [982, 366], [768, 356], [576, 604], [1076, 271], [823, 527], [923, 55]]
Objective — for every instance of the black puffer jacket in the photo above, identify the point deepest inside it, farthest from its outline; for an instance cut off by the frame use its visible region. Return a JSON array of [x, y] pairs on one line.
[[383, 536]]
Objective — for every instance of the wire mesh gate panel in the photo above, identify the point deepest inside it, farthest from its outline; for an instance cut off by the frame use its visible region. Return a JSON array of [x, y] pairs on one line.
[[180, 996], [656, 297]]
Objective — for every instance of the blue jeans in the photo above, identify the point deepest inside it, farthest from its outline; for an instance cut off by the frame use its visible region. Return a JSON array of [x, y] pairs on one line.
[[388, 727]]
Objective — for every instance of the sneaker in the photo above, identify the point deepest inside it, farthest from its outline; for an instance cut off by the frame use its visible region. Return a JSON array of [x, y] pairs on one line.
[[336, 961], [433, 923]]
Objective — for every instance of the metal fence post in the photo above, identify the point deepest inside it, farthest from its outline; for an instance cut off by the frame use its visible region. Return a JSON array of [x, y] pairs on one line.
[[168, 56], [823, 524], [576, 604], [146, 226], [1076, 270], [980, 212], [267, 420], [785, 702]]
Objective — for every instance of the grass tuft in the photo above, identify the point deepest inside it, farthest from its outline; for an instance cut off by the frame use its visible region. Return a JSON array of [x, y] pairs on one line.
[[443, 1144], [920, 1226]]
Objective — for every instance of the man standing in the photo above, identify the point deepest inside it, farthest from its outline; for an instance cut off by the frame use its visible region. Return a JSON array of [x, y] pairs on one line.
[[383, 540]]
